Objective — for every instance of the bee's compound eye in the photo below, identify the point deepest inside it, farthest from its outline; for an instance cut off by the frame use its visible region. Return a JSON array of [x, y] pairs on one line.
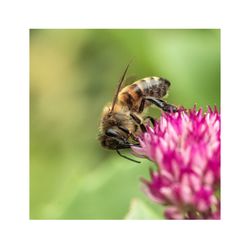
[[111, 132]]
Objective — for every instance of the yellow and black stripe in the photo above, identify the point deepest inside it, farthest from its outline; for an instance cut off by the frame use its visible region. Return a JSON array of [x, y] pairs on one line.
[[132, 95]]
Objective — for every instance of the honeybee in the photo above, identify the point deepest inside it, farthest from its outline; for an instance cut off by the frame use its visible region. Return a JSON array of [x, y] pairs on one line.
[[122, 121]]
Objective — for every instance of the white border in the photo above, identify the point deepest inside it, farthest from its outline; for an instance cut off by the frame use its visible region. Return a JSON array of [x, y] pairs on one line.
[[18, 231]]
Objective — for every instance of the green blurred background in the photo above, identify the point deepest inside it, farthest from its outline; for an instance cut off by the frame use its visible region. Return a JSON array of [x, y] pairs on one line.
[[73, 74]]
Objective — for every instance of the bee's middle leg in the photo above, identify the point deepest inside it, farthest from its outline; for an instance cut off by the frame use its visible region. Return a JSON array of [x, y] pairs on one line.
[[152, 120], [139, 122]]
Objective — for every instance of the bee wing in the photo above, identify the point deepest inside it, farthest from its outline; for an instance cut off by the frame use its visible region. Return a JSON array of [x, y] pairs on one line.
[[130, 79], [119, 87]]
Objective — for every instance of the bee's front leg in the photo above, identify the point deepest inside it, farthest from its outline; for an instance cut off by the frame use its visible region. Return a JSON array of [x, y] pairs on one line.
[[130, 134], [134, 138]]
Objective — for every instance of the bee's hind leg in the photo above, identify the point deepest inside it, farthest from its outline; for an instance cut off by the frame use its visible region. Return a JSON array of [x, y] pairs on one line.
[[162, 104]]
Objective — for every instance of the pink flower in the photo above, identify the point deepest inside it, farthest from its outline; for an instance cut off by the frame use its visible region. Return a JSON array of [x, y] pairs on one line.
[[186, 148]]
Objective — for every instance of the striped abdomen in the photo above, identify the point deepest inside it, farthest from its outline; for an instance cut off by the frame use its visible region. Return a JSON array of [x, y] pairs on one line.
[[132, 95]]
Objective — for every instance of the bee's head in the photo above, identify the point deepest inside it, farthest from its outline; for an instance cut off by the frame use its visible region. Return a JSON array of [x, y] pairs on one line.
[[113, 134], [114, 138]]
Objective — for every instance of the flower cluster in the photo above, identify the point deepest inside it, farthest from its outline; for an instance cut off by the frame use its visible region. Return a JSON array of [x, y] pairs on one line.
[[186, 148]]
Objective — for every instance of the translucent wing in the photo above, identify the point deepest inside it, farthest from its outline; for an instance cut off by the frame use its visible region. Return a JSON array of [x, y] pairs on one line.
[[119, 87]]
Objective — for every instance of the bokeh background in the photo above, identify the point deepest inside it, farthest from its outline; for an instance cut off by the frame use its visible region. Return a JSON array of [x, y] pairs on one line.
[[73, 74]]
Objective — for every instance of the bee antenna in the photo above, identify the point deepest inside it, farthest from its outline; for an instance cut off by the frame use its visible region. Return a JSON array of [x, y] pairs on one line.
[[119, 87], [124, 156]]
